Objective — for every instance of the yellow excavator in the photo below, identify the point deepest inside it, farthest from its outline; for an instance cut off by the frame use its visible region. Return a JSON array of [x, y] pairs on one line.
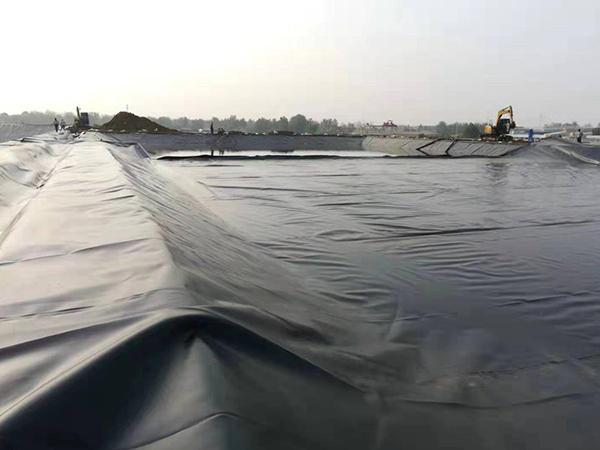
[[500, 131]]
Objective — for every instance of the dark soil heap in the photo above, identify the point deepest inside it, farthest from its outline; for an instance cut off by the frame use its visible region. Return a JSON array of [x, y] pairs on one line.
[[125, 121]]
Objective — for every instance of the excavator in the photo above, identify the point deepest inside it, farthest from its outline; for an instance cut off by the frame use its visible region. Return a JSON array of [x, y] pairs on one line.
[[500, 131], [83, 120]]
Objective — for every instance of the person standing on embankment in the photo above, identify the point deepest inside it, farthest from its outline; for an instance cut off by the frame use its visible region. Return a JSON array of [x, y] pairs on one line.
[[55, 123], [530, 136]]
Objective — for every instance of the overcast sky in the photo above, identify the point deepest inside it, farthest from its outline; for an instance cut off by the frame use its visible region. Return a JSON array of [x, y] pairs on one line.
[[413, 61]]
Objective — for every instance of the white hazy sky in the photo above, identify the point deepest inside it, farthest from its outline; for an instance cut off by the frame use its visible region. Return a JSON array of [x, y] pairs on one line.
[[413, 61]]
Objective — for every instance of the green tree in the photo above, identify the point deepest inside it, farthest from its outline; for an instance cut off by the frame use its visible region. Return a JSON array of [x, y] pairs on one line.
[[165, 122], [471, 131], [263, 125], [299, 124], [442, 129], [283, 124], [348, 128], [232, 123], [456, 129], [182, 123], [329, 126], [198, 124], [313, 127]]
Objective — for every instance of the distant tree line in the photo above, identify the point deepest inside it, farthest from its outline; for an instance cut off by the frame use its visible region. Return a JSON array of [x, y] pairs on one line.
[[301, 124], [460, 129], [297, 124], [574, 124], [46, 118]]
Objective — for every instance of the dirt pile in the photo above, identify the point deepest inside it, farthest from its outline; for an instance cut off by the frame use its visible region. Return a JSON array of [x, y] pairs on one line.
[[125, 121]]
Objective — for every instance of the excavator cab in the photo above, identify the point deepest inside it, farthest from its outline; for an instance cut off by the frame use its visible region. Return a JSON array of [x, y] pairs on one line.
[[505, 125]]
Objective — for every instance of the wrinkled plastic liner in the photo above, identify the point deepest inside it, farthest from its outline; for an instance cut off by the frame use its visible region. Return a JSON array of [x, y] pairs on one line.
[[311, 304], [231, 144], [13, 132]]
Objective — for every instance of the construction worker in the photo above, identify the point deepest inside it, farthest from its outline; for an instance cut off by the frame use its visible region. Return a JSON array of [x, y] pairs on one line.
[[530, 136], [579, 135], [55, 123], [63, 124]]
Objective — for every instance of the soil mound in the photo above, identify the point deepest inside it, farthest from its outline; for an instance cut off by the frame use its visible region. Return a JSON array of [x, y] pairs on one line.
[[125, 121]]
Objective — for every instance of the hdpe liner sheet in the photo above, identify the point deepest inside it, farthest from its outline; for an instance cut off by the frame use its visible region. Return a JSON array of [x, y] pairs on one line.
[[406, 147], [24, 168], [12, 132], [339, 304], [429, 147], [171, 142]]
